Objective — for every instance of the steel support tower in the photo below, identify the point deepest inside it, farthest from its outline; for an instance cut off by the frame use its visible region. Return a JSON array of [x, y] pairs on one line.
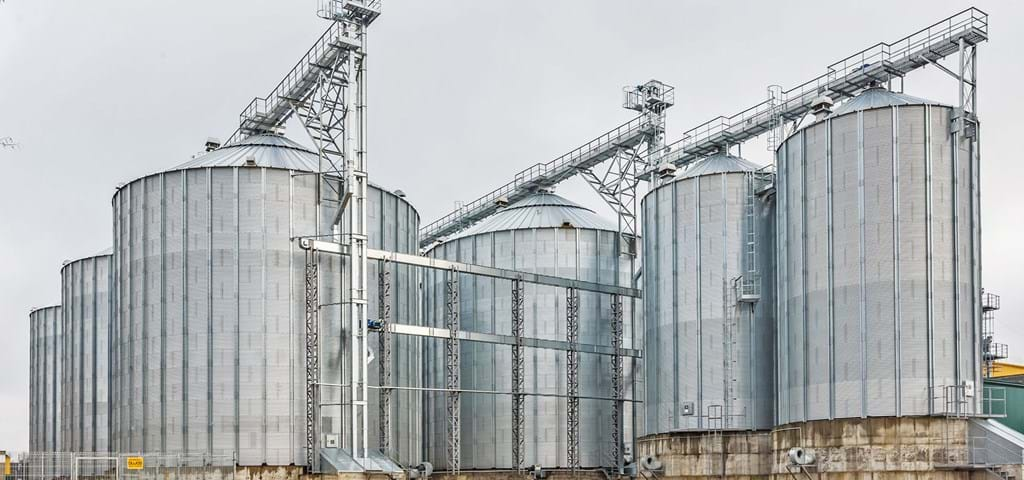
[[326, 91], [453, 384], [518, 377], [384, 351], [572, 378]]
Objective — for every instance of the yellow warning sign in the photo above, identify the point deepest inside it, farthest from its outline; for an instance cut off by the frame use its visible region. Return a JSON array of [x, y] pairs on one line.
[[136, 463]]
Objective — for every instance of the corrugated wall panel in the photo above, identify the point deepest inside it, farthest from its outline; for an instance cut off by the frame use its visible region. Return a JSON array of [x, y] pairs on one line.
[[695, 242], [794, 278], [913, 262], [224, 354], [197, 294], [815, 254], [85, 316], [173, 312], [943, 287], [904, 315], [846, 259], [485, 304], [879, 287]]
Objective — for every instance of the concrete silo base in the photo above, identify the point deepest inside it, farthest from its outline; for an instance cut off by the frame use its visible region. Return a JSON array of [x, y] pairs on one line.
[[872, 448]]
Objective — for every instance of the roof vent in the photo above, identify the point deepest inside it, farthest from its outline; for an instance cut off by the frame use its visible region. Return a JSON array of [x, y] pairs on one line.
[[501, 202], [250, 162], [212, 144], [567, 224], [821, 107], [400, 193], [666, 170]]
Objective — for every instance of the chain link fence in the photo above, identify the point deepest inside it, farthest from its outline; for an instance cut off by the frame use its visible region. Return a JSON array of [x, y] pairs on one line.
[[101, 466]]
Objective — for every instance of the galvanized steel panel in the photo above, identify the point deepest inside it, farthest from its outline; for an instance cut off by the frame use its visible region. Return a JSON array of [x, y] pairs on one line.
[[45, 379], [218, 366], [902, 264], [86, 313], [485, 303], [695, 231]]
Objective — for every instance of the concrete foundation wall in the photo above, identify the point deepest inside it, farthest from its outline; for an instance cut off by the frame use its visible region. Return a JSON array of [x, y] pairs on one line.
[[872, 448]]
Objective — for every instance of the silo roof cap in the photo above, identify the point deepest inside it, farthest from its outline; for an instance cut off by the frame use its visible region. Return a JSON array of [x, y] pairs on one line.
[[265, 150], [106, 252], [878, 97], [718, 163], [540, 210]]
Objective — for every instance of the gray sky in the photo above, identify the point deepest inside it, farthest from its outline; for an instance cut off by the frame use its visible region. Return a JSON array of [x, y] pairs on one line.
[[463, 94]]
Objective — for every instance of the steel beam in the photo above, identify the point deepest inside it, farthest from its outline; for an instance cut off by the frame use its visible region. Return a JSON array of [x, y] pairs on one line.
[[497, 339], [480, 270]]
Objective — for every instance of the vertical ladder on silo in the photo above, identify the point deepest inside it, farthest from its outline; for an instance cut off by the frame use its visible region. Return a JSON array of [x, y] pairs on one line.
[[749, 284]]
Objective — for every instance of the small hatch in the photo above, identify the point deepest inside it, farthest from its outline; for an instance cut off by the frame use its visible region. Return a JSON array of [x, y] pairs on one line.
[[250, 162]]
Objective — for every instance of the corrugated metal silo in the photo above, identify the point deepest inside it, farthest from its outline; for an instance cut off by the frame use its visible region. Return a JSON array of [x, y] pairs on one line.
[[545, 234], [210, 306], [86, 311], [878, 262], [708, 256], [44, 378]]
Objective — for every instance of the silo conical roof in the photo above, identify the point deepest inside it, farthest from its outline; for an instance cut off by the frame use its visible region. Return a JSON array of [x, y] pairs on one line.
[[718, 163], [878, 97], [267, 150], [540, 210]]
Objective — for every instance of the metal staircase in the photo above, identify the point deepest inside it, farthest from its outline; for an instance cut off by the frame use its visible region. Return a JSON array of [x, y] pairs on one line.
[[268, 114], [326, 89], [991, 350]]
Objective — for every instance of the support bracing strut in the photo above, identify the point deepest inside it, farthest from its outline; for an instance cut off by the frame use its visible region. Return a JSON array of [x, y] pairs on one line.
[[518, 379], [384, 350], [572, 332], [451, 345], [617, 381], [312, 361]]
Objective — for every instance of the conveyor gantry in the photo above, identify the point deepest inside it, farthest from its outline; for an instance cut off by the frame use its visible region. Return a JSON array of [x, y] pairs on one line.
[[846, 78], [268, 114], [542, 175]]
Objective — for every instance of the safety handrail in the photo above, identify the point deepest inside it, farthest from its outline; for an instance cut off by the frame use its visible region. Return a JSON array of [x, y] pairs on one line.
[[562, 165]]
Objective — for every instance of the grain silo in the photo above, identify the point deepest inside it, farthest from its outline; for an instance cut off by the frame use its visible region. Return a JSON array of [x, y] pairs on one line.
[[86, 312], [708, 308], [878, 263], [547, 234], [210, 306], [44, 379]]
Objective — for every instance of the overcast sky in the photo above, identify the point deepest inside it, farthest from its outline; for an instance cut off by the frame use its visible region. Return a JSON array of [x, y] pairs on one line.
[[463, 94]]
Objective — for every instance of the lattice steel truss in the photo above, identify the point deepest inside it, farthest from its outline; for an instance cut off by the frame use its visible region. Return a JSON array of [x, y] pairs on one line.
[[617, 183], [312, 359], [453, 403], [384, 351], [617, 380], [518, 377], [326, 91], [572, 378]]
